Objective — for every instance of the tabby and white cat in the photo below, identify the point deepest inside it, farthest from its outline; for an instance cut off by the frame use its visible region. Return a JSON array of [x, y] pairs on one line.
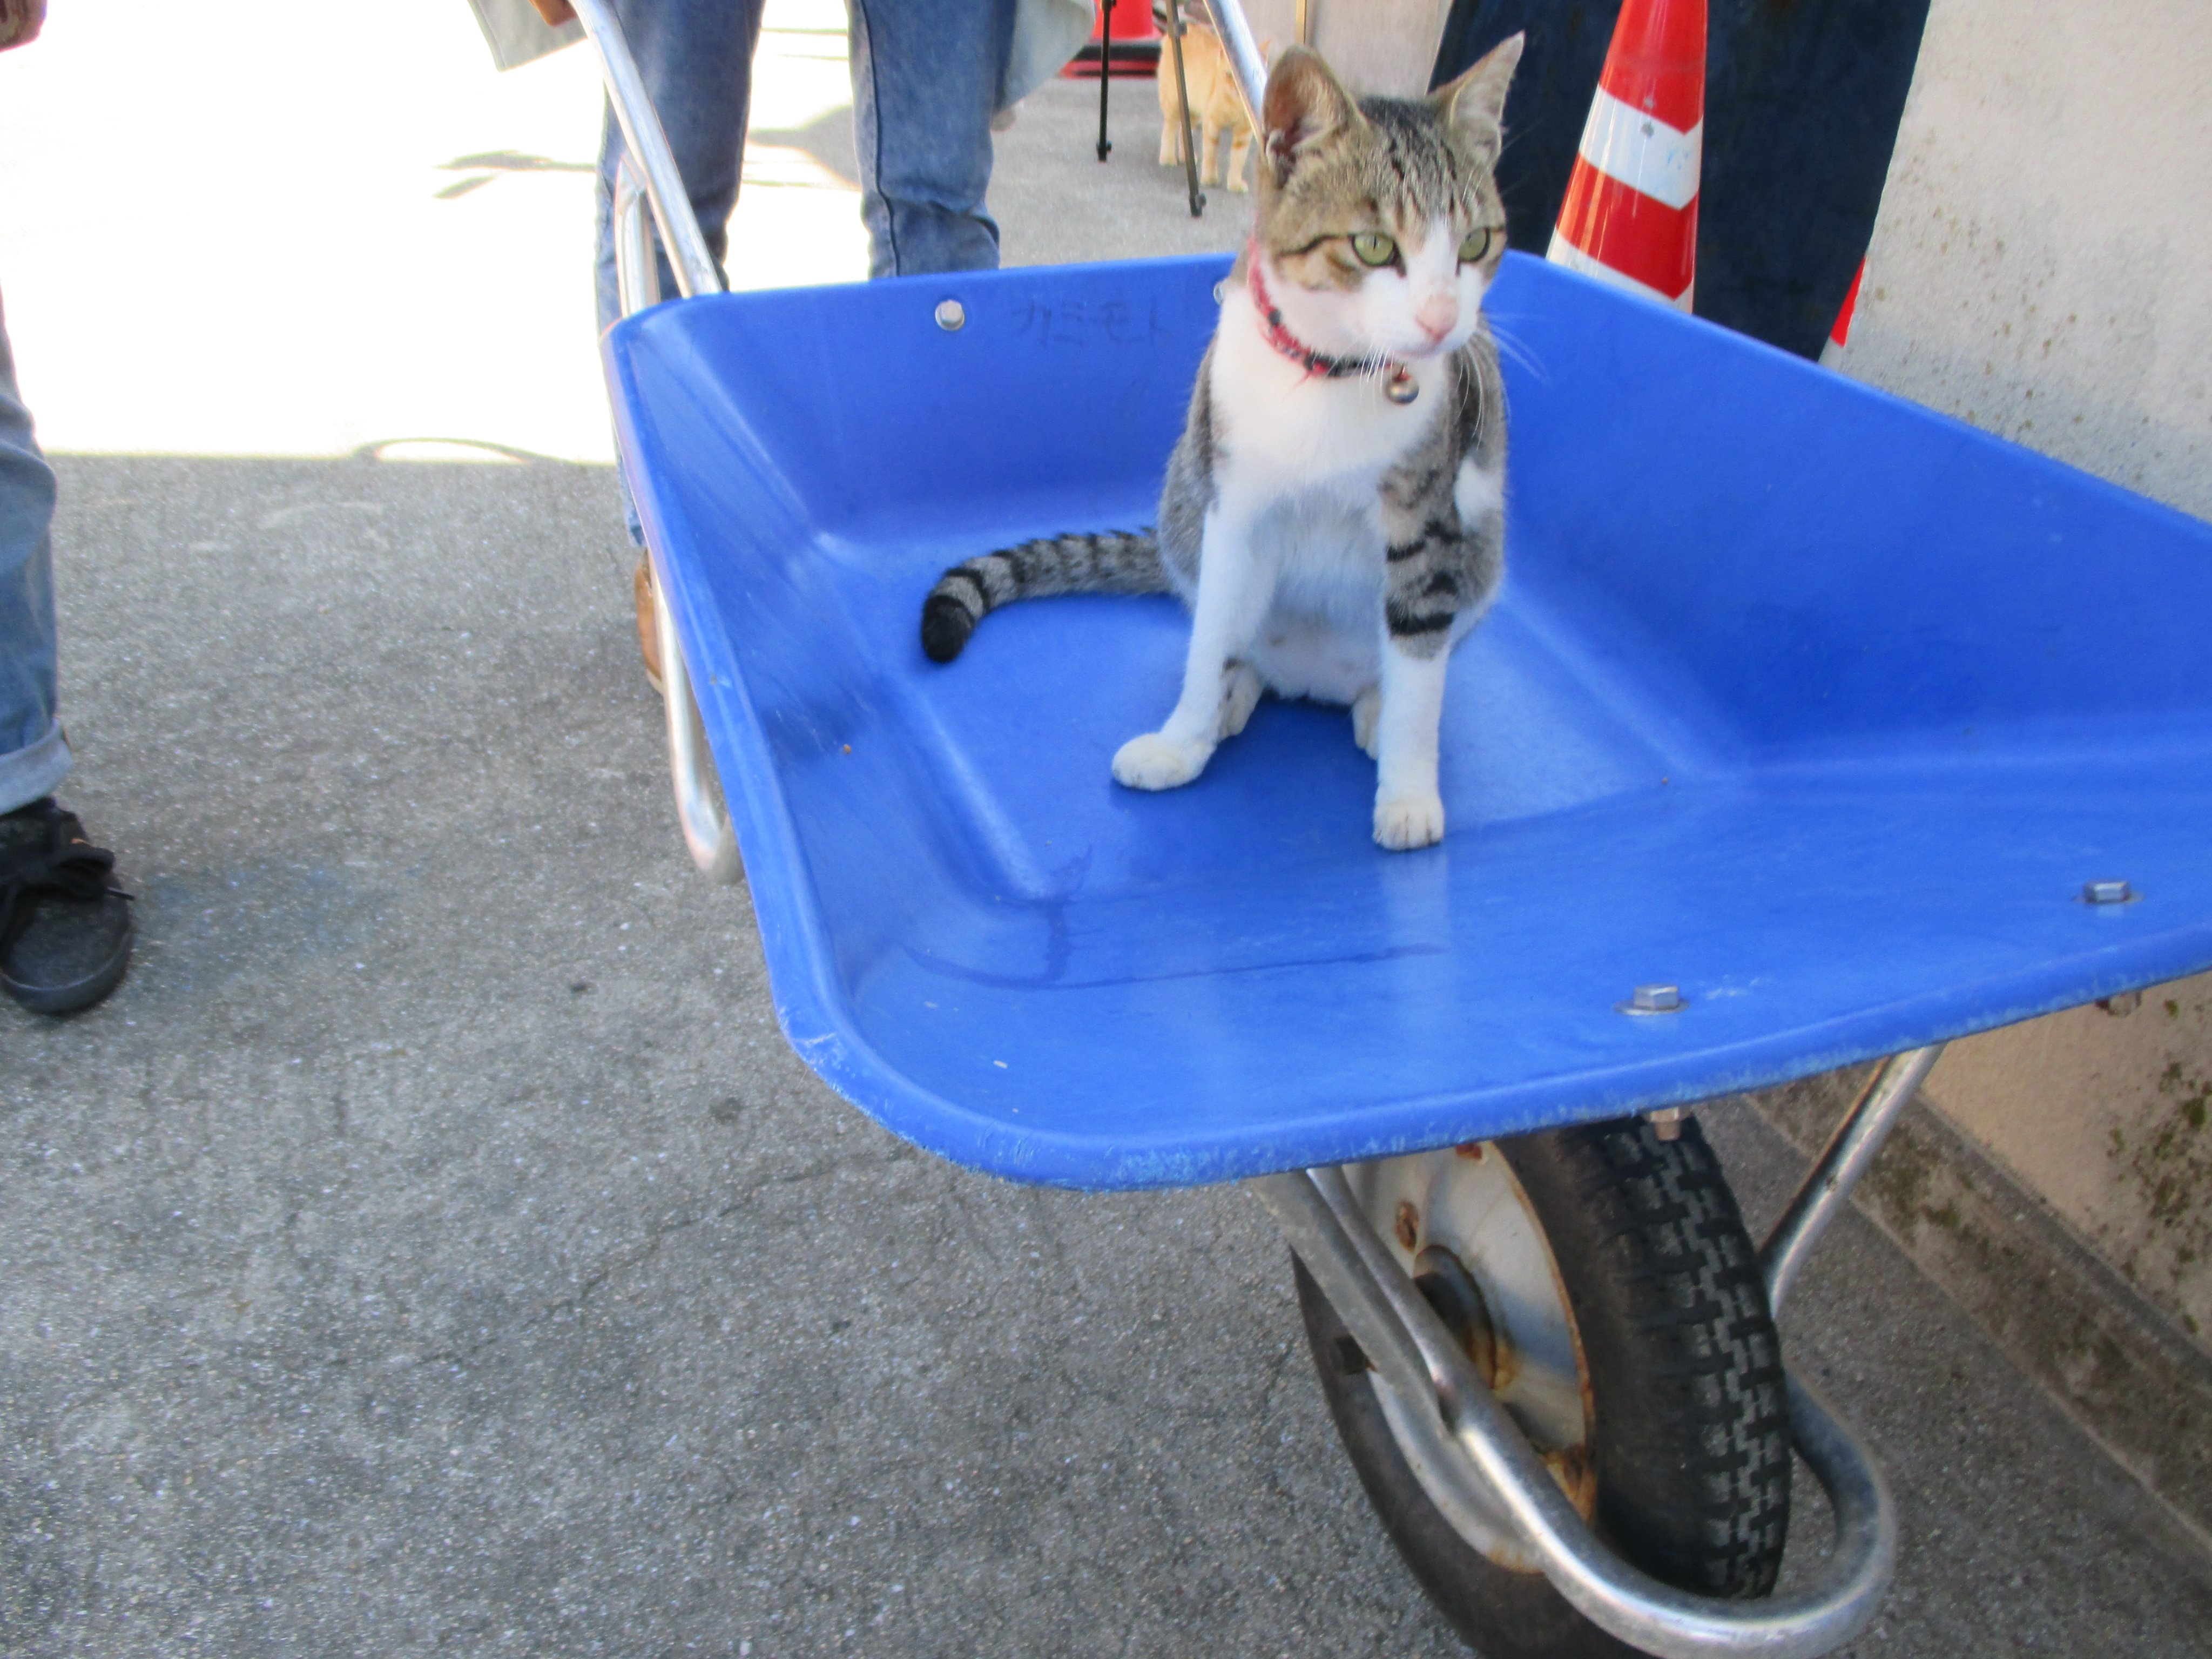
[[1333, 515]]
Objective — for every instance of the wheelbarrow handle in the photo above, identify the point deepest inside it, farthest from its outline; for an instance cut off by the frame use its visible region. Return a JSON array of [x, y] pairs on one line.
[[647, 178], [1246, 66], [648, 148]]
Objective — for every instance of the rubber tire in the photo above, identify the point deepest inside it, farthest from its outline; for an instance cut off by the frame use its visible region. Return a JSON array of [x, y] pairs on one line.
[[1689, 1434]]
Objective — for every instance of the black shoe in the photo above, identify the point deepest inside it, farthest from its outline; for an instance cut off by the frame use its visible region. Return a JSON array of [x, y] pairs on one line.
[[64, 930]]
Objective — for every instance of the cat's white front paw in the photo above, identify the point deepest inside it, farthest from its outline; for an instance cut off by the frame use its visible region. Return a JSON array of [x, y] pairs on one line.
[[1154, 761], [1403, 823], [1367, 710]]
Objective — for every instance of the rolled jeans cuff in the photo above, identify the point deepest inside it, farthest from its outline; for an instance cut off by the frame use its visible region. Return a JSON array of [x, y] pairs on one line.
[[29, 773]]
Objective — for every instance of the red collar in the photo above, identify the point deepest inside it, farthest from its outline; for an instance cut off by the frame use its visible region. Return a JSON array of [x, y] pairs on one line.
[[1319, 364]]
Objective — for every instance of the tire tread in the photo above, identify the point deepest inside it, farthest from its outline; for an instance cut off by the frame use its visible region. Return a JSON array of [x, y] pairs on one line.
[[1692, 1443], [1689, 1287]]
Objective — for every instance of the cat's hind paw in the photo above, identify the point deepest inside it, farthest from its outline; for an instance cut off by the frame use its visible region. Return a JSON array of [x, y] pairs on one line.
[[1155, 762], [1366, 711], [1403, 823]]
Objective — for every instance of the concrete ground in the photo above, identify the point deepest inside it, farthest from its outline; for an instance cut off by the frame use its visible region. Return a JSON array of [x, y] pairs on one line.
[[433, 1248]]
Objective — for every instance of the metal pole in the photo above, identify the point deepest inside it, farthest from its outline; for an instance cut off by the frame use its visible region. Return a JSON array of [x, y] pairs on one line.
[[1248, 68], [1105, 69], [648, 146], [1849, 1153], [701, 810], [700, 807], [637, 273], [1183, 106]]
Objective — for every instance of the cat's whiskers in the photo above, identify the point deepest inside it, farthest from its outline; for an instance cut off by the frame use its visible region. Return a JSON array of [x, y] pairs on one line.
[[1514, 350]]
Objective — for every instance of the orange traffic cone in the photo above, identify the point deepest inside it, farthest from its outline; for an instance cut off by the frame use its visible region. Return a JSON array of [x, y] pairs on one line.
[[1630, 213], [1840, 335]]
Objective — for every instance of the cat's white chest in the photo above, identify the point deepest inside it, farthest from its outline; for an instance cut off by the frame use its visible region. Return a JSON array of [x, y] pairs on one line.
[[1284, 430]]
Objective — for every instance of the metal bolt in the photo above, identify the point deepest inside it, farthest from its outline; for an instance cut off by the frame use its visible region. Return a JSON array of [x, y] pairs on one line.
[[951, 316], [1655, 999], [1409, 1224], [2107, 892], [1666, 1122]]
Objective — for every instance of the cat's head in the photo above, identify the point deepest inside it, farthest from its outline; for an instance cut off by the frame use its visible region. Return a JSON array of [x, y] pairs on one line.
[[1380, 215]]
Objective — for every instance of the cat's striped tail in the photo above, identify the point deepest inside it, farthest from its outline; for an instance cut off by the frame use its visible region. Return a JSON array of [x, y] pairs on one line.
[[1111, 561]]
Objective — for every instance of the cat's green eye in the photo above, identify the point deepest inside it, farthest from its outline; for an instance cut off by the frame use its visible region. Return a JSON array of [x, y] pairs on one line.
[[1373, 248], [1472, 251]]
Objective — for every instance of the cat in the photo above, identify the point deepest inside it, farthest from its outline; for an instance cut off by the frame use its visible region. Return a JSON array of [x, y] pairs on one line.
[[1216, 111], [1333, 515]]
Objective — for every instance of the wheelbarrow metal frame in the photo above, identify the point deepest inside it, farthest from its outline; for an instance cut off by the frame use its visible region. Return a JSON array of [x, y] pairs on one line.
[[1464, 1440], [647, 178]]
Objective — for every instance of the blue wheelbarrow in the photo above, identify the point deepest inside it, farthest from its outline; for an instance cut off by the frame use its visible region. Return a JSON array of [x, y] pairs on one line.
[[1812, 728]]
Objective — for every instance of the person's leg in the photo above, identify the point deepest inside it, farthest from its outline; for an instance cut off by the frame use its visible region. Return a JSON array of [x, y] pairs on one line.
[[925, 79], [65, 934], [34, 756], [696, 58]]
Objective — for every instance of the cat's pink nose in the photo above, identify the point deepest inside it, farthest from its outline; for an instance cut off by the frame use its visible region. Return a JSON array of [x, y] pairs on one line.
[[1438, 315]]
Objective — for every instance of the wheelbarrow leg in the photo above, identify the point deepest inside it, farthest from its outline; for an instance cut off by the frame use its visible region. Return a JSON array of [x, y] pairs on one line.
[[1849, 1153], [649, 178], [699, 806], [699, 810]]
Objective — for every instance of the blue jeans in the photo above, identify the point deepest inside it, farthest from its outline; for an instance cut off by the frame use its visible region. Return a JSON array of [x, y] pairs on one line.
[[696, 58], [33, 754], [925, 77]]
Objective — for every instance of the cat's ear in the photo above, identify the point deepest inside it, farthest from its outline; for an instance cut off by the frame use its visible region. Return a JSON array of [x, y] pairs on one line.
[[1304, 104], [1476, 101]]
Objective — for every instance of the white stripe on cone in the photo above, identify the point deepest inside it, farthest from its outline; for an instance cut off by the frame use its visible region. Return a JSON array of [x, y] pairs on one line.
[[1642, 151], [1564, 253]]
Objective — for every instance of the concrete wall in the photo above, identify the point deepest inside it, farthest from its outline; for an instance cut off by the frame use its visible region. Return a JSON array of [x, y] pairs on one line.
[[2042, 268], [2105, 1119]]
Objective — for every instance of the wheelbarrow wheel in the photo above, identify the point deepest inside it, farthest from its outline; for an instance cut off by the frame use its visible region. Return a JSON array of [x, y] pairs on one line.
[[1603, 1285]]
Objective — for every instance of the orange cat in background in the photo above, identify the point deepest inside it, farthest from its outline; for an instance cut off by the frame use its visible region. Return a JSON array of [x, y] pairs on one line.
[[1216, 111]]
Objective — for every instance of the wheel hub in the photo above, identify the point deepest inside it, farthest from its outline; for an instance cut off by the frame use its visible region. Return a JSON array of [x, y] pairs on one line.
[[1458, 1223]]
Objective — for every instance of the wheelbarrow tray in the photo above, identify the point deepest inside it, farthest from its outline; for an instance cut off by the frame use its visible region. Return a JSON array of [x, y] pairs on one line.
[[1817, 705]]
